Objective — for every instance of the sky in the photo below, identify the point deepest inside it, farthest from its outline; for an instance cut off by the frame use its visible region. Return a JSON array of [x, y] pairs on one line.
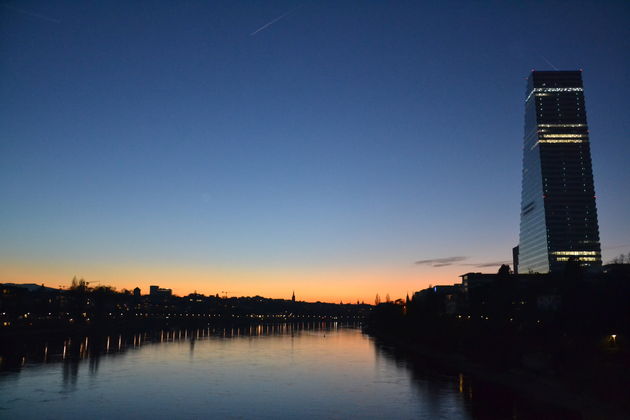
[[261, 147]]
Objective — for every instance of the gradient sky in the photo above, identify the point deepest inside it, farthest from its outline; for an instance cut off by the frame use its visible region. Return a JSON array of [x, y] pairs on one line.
[[175, 143]]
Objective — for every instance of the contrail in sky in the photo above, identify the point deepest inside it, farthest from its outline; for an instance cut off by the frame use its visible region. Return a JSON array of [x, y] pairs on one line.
[[268, 24], [548, 62], [31, 14]]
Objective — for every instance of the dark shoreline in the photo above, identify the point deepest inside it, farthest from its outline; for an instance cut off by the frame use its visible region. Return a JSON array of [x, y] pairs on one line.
[[142, 325], [543, 388]]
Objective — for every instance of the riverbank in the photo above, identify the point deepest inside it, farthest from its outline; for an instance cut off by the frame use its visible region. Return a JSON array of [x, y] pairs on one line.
[[579, 397], [134, 324]]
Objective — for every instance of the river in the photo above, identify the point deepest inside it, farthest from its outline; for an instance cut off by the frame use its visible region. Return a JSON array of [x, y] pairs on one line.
[[305, 371]]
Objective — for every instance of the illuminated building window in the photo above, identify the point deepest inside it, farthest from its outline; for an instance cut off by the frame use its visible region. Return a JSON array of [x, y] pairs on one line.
[[590, 259], [558, 141], [562, 125], [570, 136], [574, 252], [562, 89]]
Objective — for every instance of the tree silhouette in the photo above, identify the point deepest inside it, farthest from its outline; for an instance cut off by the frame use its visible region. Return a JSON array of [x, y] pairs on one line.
[[78, 285], [620, 259], [504, 270]]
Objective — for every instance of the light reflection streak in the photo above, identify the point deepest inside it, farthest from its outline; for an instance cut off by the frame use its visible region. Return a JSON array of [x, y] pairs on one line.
[[89, 347]]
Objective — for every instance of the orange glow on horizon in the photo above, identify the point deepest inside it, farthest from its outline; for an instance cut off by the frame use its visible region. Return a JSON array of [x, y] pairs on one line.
[[310, 284]]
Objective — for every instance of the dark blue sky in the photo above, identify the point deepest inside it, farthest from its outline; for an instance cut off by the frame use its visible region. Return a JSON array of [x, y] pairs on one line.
[[345, 136]]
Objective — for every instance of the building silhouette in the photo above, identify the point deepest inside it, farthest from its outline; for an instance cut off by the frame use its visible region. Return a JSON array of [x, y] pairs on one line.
[[558, 213], [159, 293]]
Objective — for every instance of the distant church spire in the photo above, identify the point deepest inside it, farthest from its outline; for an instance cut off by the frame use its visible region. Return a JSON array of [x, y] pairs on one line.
[[293, 296]]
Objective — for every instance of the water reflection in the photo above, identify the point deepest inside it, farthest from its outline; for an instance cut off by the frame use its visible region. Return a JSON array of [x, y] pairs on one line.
[[305, 370], [15, 355], [481, 398]]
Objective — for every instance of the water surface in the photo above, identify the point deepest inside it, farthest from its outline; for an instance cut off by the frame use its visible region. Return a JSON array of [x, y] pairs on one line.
[[277, 371]]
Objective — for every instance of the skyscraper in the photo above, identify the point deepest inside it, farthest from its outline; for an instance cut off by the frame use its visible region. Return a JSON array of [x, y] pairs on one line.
[[558, 214]]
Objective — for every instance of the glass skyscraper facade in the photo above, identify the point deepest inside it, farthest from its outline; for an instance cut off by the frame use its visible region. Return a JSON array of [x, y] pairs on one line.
[[558, 214]]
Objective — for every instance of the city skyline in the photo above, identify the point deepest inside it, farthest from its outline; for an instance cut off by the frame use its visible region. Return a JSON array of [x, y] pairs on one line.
[[336, 150]]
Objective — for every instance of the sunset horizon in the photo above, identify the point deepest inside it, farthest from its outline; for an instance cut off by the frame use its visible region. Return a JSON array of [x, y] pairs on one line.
[[314, 209], [207, 148], [309, 285]]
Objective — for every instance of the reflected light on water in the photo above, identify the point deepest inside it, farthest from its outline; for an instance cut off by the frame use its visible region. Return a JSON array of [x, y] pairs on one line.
[[302, 370]]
